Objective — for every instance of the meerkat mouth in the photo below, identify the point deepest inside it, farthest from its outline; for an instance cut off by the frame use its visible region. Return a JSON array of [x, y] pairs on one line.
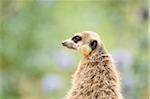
[[70, 47]]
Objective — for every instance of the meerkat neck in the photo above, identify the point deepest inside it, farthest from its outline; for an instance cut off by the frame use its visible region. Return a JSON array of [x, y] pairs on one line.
[[98, 54]]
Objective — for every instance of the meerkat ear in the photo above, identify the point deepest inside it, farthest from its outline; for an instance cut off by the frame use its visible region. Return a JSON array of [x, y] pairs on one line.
[[93, 44]]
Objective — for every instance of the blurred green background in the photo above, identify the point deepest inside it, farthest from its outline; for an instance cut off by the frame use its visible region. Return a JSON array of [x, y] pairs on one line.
[[33, 63]]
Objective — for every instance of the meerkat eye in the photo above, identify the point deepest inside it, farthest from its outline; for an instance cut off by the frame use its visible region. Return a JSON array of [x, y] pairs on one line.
[[93, 44], [76, 39]]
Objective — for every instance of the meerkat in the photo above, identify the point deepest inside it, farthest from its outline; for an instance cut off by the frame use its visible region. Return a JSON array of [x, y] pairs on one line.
[[96, 76]]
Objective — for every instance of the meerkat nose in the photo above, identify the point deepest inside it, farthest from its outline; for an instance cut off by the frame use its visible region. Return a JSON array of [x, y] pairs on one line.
[[63, 43]]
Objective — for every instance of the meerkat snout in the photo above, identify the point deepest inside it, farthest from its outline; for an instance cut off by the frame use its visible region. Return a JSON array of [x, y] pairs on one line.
[[73, 43], [69, 44], [84, 42]]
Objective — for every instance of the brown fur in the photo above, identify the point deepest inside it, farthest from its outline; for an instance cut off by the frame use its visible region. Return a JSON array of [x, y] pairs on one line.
[[96, 76]]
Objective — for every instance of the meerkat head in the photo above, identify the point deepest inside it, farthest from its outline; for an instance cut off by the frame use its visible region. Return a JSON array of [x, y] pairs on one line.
[[85, 42]]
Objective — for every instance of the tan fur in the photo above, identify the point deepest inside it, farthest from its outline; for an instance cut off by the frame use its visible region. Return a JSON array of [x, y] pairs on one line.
[[96, 76]]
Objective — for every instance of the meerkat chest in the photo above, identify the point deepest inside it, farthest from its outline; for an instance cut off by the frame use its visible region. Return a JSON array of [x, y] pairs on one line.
[[88, 72], [88, 77]]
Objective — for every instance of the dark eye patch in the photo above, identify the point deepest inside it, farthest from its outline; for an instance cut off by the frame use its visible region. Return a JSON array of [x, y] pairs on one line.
[[76, 39]]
